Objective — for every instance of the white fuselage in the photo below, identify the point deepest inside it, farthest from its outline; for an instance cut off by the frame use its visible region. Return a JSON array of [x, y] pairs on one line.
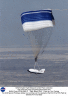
[[36, 71]]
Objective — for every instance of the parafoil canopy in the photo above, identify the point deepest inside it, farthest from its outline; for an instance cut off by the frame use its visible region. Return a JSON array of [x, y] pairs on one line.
[[35, 20]]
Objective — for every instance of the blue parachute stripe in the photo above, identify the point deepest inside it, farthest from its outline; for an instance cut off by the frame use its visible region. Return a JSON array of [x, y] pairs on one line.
[[29, 12], [37, 17]]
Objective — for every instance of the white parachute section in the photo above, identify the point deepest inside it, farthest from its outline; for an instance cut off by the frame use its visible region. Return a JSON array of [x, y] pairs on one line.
[[38, 25]]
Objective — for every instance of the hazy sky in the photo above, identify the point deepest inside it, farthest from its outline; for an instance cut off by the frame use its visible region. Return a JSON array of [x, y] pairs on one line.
[[11, 32]]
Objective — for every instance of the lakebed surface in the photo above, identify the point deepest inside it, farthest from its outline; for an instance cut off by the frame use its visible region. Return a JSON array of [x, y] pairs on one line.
[[14, 63]]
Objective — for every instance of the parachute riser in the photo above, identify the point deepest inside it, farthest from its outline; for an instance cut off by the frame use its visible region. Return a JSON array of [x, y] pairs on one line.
[[36, 63], [36, 59]]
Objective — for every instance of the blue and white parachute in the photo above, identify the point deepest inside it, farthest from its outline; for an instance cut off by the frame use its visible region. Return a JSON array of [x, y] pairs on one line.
[[38, 25], [34, 20]]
